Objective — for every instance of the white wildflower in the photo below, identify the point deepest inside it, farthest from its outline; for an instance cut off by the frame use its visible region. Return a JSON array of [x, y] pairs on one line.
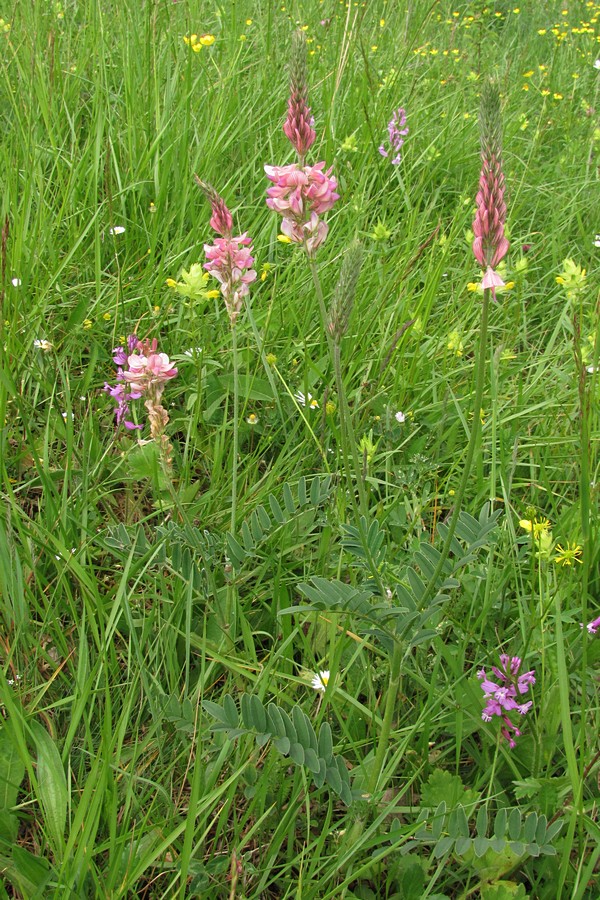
[[307, 400], [320, 680]]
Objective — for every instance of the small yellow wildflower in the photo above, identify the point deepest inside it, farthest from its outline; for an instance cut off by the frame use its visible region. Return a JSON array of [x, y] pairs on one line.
[[266, 270], [87, 324], [212, 294], [566, 556], [538, 527], [206, 40], [572, 278], [107, 316], [455, 343], [284, 239], [330, 407], [271, 359], [252, 419]]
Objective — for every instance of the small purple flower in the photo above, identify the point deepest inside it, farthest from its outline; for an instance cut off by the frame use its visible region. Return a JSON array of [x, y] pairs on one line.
[[501, 694], [593, 626], [397, 131]]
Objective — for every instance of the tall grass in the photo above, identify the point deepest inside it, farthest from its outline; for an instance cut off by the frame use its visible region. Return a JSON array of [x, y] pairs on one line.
[[115, 582]]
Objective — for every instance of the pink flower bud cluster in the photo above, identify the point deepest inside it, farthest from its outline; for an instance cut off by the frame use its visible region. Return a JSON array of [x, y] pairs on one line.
[[298, 127], [490, 245], [301, 194], [501, 695], [230, 260], [144, 370]]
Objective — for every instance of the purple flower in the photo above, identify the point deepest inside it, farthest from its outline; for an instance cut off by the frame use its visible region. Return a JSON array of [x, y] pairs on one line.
[[143, 371], [593, 626], [397, 131], [501, 694]]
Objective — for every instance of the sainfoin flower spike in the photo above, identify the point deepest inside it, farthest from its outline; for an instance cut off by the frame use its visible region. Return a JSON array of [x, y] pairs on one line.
[[230, 258], [490, 245], [301, 195], [298, 127], [142, 372], [502, 694]]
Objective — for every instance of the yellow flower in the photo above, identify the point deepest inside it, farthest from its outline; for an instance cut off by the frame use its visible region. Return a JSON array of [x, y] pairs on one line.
[[107, 316], [330, 407], [566, 556], [212, 294], [284, 239], [252, 419], [266, 269], [87, 324], [455, 343], [271, 359], [572, 278], [206, 40], [539, 527]]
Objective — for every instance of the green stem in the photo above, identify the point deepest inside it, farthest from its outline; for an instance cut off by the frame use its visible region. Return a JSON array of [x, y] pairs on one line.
[[388, 717], [236, 392], [349, 449], [473, 439], [230, 595]]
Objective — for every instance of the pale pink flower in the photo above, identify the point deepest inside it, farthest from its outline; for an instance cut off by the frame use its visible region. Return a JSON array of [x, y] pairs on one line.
[[301, 194], [230, 258], [145, 371], [230, 261]]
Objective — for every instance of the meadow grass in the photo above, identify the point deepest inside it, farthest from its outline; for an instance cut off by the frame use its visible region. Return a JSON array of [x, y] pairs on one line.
[[137, 597]]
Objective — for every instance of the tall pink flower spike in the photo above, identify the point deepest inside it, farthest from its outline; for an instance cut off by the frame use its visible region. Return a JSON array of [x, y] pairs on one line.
[[490, 245], [230, 258], [301, 193]]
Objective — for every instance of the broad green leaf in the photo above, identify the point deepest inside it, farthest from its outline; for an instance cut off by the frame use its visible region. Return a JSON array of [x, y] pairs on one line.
[[52, 786], [12, 770]]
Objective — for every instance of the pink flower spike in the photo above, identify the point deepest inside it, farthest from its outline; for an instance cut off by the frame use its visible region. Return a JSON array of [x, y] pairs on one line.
[[301, 195], [490, 245], [298, 127], [221, 219]]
